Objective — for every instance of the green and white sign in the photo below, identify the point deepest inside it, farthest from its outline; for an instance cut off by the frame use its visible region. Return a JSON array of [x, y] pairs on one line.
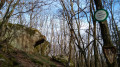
[[101, 15]]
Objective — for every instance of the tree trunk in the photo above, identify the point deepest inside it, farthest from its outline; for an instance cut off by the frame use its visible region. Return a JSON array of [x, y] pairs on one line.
[[94, 35], [108, 45], [95, 46]]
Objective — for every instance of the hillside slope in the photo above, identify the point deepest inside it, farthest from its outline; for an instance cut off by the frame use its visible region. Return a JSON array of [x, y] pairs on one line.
[[17, 58], [25, 47]]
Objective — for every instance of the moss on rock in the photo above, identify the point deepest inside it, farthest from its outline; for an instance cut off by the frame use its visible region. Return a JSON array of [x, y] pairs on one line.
[[62, 59], [25, 37], [29, 30]]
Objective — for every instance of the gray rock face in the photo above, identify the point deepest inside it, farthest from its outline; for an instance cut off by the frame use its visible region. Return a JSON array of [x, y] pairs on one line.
[[24, 38]]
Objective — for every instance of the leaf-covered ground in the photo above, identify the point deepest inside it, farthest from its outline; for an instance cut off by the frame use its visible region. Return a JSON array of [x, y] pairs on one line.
[[17, 58]]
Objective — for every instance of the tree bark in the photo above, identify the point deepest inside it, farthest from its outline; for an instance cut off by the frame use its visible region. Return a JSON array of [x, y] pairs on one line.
[[106, 36], [94, 35], [95, 47]]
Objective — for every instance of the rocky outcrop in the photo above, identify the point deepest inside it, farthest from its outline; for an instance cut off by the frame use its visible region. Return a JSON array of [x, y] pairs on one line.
[[63, 60], [27, 39]]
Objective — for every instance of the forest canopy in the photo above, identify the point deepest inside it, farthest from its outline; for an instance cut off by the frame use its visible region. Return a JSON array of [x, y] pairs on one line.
[[70, 27]]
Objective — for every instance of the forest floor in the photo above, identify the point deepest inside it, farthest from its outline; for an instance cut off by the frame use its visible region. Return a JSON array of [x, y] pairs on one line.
[[58, 64], [17, 58]]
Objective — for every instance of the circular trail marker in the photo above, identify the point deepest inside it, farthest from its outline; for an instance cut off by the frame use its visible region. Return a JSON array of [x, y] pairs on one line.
[[101, 15]]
